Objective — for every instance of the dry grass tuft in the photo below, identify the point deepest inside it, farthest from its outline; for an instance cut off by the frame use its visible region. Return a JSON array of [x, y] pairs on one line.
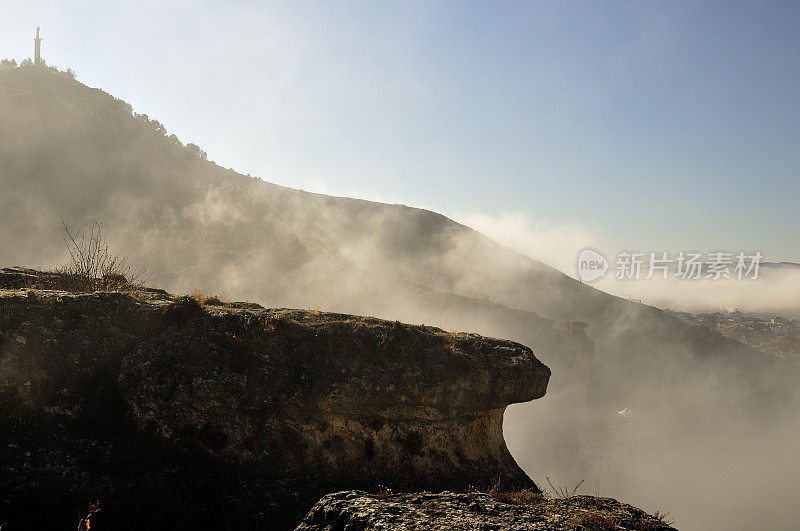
[[598, 520], [521, 497], [517, 497], [199, 295], [315, 308], [563, 492], [663, 517]]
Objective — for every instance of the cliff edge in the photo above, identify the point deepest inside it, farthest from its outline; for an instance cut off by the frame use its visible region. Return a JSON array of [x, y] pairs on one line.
[[178, 411]]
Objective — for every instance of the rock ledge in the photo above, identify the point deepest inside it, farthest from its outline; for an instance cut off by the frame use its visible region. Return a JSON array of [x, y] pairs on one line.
[[292, 403], [355, 510]]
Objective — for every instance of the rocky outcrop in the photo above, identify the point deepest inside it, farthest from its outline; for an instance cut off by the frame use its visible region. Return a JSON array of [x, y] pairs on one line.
[[291, 403], [336, 398], [354, 510]]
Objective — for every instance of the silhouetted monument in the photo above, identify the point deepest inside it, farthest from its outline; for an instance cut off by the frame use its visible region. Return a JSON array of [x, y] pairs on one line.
[[37, 57]]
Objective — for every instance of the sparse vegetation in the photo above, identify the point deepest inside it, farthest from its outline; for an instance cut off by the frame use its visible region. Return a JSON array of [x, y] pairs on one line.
[[199, 295], [599, 520], [195, 150], [384, 492], [28, 63], [520, 497], [663, 517], [563, 492], [93, 266], [515, 497], [316, 309]]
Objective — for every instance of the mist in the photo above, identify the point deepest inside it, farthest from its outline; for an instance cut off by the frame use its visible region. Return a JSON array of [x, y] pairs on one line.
[[711, 423], [776, 289]]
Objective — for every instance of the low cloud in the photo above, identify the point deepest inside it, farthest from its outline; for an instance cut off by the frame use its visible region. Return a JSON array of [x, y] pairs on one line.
[[557, 245], [775, 290]]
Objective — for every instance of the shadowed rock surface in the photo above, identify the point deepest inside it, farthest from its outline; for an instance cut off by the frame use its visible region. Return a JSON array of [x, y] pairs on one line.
[[355, 511], [174, 412]]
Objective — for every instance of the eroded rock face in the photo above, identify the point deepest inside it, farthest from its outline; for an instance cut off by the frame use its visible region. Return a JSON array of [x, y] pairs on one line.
[[291, 403], [337, 397], [354, 510]]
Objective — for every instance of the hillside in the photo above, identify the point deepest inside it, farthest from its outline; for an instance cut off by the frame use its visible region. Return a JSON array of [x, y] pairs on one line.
[[74, 153]]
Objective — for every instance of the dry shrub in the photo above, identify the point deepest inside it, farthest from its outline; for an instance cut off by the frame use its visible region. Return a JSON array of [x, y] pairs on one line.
[[563, 492], [92, 266]]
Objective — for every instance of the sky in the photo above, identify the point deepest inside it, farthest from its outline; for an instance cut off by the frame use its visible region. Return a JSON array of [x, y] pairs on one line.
[[551, 126]]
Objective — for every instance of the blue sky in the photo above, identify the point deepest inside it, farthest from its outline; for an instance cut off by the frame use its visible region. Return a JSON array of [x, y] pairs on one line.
[[626, 125]]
